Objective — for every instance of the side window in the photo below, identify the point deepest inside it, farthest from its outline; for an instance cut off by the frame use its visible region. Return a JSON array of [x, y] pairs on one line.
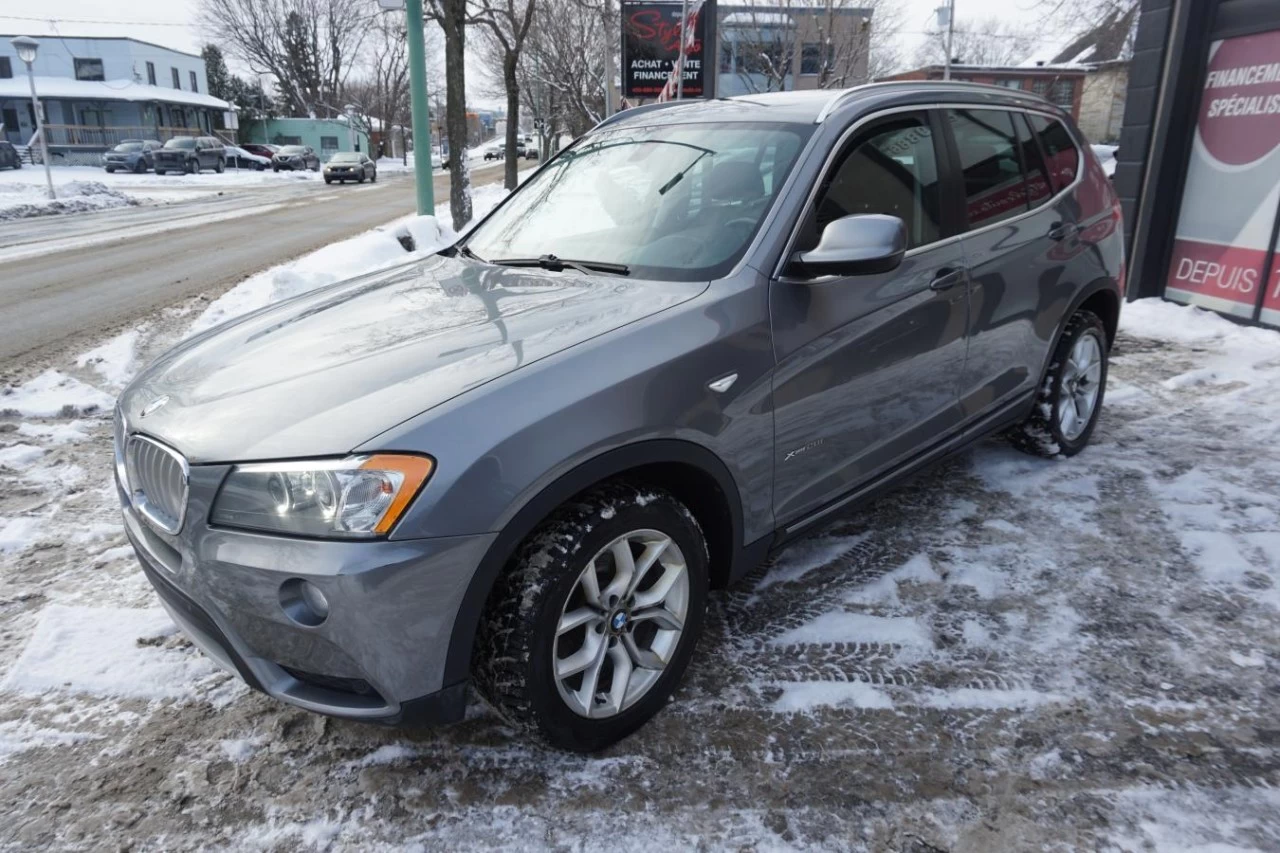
[[890, 167], [994, 189], [1060, 151], [1039, 187]]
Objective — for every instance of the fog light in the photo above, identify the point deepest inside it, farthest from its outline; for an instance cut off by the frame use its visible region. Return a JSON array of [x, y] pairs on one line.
[[303, 602]]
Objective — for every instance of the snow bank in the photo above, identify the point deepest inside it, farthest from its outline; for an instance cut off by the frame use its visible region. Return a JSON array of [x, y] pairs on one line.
[[113, 360], [52, 394], [366, 253], [63, 175], [106, 651], [22, 200]]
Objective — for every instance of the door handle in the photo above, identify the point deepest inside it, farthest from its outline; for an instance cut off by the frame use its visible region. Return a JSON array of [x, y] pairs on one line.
[[1063, 230], [946, 279]]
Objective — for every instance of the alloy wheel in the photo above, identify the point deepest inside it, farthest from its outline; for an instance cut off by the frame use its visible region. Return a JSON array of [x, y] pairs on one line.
[[1081, 382], [621, 624]]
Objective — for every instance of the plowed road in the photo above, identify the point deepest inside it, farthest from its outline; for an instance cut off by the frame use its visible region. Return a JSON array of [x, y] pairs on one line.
[[67, 276]]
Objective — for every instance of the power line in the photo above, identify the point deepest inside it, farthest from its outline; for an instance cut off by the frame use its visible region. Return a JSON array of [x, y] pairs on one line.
[[53, 21]]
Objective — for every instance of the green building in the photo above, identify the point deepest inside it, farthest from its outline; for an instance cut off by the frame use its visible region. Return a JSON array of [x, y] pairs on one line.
[[327, 136]]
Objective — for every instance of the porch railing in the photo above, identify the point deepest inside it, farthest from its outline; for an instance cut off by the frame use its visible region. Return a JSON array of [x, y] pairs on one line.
[[86, 136]]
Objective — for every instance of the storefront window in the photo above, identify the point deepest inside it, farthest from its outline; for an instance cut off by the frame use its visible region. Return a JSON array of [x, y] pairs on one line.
[[1233, 185]]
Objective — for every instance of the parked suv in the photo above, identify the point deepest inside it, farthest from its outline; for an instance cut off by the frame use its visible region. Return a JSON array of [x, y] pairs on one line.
[[133, 155], [296, 157], [190, 154], [696, 334]]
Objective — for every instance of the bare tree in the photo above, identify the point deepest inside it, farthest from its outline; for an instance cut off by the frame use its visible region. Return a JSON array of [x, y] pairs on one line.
[[453, 17], [309, 46], [506, 26], [562, 66], [980, 41], [839, 43]]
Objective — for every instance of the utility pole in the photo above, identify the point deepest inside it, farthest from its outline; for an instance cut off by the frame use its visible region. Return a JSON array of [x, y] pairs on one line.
[[610, 88], [421, 116], [950, 9]]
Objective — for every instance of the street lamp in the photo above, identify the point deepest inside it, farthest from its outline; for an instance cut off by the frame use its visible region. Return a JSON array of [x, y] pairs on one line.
[[26, 48]]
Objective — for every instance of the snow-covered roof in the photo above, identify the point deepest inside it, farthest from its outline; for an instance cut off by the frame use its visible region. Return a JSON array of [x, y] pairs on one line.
[[106, 90]]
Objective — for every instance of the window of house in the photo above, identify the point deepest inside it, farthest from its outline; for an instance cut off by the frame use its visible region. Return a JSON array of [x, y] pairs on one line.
[[1039, 185], [1040, 86], [1060, 154], [994, 186], [151, 73], [328, 145], [6, 68], [1063, 93], [194, 86], [890, 168], [177, 81], [770, 55], [811, 57], [1010, 83], [89, 69]]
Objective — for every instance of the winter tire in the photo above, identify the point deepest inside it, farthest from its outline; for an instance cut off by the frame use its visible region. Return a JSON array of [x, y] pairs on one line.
[[111, 170], [159, 171], [1070, 397], [218, 167], [374, 179], [140, 167], [328, 180], [588, 632]]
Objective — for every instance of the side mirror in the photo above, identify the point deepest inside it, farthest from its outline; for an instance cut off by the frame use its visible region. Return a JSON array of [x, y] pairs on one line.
[[863, 244]]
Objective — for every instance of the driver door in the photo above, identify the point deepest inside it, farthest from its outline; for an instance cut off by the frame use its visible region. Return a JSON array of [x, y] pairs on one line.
[[869, 367]]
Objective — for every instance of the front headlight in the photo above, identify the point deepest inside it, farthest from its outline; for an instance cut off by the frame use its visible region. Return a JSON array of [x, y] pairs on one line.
[[356, 497]]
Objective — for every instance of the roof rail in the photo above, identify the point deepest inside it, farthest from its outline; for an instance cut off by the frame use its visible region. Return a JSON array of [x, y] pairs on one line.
[[631, 111], [841, 94]]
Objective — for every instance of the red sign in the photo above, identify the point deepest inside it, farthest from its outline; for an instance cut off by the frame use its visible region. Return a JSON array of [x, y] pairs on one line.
[[1226, 277], [1240, 110]]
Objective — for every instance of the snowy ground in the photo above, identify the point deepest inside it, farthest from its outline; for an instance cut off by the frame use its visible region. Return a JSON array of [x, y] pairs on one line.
[[23, 200], [1006, 653]]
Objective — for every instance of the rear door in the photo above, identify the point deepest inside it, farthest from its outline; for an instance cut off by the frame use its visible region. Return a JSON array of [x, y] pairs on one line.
[[1015, 222], [868, 367]]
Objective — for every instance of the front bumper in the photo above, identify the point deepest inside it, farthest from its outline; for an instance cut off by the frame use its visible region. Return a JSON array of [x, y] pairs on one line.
[[380, 654]]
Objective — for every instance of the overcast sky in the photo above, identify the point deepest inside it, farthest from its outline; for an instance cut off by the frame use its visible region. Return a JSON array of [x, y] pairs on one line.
[[169, 23]]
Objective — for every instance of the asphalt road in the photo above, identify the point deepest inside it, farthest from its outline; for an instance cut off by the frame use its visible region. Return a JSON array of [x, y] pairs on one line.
[[66, 277]]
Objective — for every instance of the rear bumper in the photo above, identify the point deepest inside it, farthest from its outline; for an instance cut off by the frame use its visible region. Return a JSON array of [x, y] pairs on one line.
[[380, 654]]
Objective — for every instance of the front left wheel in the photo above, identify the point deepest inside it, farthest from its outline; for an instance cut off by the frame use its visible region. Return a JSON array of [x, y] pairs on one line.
[[587, 635]]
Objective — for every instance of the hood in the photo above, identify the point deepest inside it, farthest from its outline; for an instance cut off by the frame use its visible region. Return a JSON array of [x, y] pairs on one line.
[[324, 372]]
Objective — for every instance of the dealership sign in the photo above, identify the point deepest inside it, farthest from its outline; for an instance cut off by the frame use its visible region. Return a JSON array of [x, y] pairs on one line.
[[651, 34], [1223, 243]]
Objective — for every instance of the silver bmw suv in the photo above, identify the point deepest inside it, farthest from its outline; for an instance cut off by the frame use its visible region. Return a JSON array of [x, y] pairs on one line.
[[692, 336]]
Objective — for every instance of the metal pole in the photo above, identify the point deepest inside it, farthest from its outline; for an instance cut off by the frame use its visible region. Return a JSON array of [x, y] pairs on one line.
[[610, 88], [951, 24], [44, 143], [421, 122], [684, 22]]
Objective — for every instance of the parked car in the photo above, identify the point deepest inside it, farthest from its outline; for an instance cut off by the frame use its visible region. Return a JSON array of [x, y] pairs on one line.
[[9, 158], [497, 151], [524, 461], [261, 149], [190, 154], [131, 155], [239, 158], [295, 158], [350, 166]]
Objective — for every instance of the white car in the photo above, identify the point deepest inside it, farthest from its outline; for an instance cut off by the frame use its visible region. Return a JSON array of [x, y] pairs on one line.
[[238, 158]]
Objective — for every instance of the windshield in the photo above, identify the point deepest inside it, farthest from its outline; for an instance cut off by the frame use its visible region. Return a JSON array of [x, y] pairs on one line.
[[677, 202], [291, 149], [128, 146], [181, 142], [345, 157]]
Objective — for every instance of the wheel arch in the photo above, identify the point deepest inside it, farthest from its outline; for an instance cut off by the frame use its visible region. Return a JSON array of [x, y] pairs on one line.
[[695, 475], [1101, 296]]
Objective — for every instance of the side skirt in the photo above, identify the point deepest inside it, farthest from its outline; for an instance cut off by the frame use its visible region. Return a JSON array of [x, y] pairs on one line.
[[998, 420]]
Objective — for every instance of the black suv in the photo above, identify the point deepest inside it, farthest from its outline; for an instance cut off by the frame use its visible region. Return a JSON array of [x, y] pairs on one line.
[[296, 158], [698, 332], [190, 154]]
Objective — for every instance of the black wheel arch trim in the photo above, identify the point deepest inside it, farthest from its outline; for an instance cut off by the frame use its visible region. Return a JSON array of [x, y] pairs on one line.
[[1087, 292], [585, 475]]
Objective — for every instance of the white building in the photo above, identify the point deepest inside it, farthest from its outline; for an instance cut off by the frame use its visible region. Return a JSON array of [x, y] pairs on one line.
[[98, 91]]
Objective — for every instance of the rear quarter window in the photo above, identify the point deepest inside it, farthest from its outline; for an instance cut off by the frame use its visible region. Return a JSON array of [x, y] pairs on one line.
[[1060, 153]]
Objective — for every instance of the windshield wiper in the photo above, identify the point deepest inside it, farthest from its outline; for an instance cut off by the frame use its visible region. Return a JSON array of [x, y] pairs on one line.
[[466, 252], [551, 262]]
